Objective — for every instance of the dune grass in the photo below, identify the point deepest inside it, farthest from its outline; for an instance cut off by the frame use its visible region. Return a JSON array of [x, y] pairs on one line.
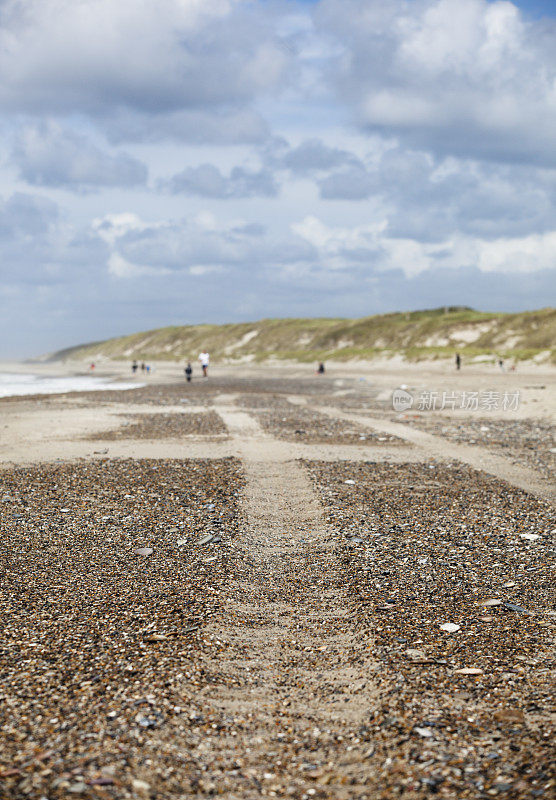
[[415, 335]]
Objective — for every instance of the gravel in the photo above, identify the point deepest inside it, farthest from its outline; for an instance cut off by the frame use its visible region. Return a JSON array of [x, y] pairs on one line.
[[463, 713], [164, 426], [101, 641], [528, 442], [295, 423]]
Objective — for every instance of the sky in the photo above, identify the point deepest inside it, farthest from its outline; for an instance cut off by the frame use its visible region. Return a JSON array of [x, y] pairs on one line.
[[170, 162]]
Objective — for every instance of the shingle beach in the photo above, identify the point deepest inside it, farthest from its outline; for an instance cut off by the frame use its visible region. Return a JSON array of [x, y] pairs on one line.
[[273, 585]]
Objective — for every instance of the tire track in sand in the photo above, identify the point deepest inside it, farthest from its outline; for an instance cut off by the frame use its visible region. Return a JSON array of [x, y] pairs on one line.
[[292, 689]]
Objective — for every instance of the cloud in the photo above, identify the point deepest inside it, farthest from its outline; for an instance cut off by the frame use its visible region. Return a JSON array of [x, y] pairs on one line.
[[373, 248], [47, 155], [25, 215], [309, 157], [121, 268], [37, 247], [125, 272], [395, 150], [465, 77], [353, 183], [207, 180], [199, 245], [177, 60], [428, 198], [213, 126]]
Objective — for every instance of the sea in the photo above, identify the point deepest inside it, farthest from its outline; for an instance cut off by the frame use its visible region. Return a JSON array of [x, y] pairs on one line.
[[14, 384]]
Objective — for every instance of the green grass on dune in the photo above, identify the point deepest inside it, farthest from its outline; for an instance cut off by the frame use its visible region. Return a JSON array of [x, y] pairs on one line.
[[416, 335]]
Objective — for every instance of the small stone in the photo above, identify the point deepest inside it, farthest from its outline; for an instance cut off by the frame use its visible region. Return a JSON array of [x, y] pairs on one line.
[[426, 733], [350, 483], [449, 627], [469, 671], [531, 537], [490, 603], [104, 781], [205, 540], [514, 607], [143, 551], [413, 652], [486, 619], [509, 585], [144, 722], [142, 788], [77, 788]]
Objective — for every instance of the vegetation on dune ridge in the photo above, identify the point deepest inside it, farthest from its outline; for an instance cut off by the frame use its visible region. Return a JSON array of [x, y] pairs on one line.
[[414, 335]]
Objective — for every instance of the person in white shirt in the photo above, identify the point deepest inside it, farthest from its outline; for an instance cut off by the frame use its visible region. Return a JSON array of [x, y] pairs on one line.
[[204, 359]]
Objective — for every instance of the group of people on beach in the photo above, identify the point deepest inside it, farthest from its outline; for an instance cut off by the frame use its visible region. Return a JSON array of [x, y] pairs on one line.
[[204, 360], [144, 367]]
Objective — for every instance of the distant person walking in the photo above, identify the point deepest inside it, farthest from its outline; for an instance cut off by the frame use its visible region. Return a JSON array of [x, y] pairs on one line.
[[204, 359], [320, 368], [458, 361], [188, 372], [134, 367]]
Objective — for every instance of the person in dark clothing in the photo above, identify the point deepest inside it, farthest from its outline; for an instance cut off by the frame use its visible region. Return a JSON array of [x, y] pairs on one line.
[[134, 367], [320, 369], [458, 361], [188, 372]]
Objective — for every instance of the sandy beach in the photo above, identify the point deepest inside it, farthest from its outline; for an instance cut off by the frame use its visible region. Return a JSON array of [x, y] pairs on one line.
[[275, 584]]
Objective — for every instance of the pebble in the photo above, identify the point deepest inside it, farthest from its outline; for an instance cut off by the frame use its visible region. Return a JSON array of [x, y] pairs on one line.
[[142, 788], [449, 627], [413, 652], [425, 733], [143, 551], [514, 607]]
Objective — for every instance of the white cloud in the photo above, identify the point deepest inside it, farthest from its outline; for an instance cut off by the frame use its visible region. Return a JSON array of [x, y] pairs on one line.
[[370, 245], [119, 267], [144, 58], [467, 77], [523, 254], [112, 227]]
